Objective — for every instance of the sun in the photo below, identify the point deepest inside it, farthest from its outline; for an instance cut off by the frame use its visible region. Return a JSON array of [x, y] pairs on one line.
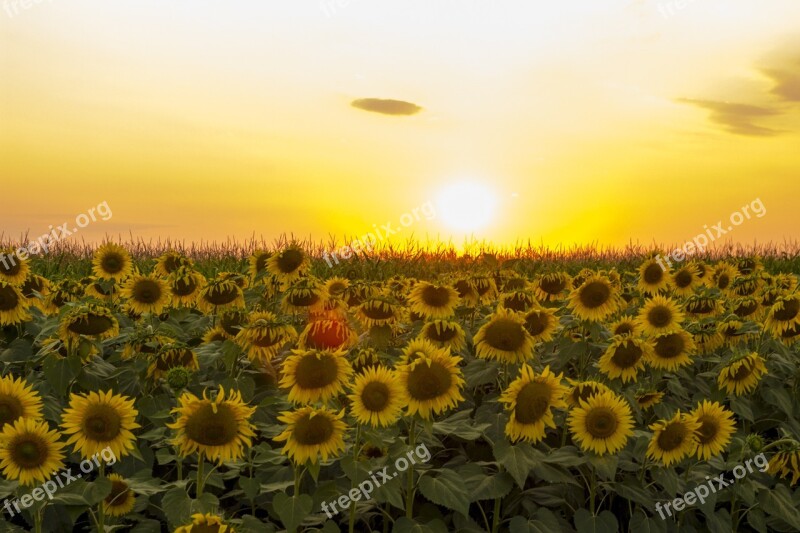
[[466, 206]]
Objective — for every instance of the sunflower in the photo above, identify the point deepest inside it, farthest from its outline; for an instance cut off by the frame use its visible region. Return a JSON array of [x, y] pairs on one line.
[[170, 262], [217, 429], [742, 374], [307, 294], [706, 336], [418, 348], [703, 305], [315, 375], [485, 287], [432, 381], [749, 265], [218, 295], [65, 291], [685, 279], [745, 307], [731, 331], [529, 400], [672, 350], [398, 287], [378, 397], [146, 294], [784, 314], [467, 293], [311, 433], [541, 323], [504, 338], [171, 355], [625, 357], [674, 439], [624, 326], [327, 335], [101, 289], [99, 420], [433, 301], [18, 400], [786, 463], [264, 336], [365, 358], [13, 305], [444, 334], [33, 285], [357, 292], [288, 265], [552, 287], [583, 390], [112, 261], [659, 315], [653, 277], [258, 264], [90, 320], [13, 269], [512, 281], [596, 298], [602, 423], [791, 335], [746, 285], [184, 286], [519, 300], [647, 399], [121, 499], [205, 523], [378, 311], [716, 427], [30, 451], [217, 333], [723, 276]]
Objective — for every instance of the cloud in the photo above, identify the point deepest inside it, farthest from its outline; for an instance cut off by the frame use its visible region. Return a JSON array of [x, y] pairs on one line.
[[737, 118], [787, 81], [386, 106]]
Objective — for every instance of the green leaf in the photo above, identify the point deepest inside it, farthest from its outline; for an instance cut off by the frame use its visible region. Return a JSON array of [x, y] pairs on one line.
[[406, 525], [778, 503], [741, 406], [778, 397], [177, 506], [605, 465], [605, 522], [480, 372], [460, 425], [292, 510], [518, 459], [757, 520], [250, 486], [60, 372], [446, 489], [641, 523]]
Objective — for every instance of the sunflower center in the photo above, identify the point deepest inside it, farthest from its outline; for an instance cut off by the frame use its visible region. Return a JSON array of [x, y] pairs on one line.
[[672, 436], [746, 309], [789, 311], [211, 428], [595, 294], [375, 396], [429, 382], [146, 291], [303, 298], [601, 422], [28, 451], [101, 423], [709, 428], [553, 284], [514, 284], [261, 262], [11, 266], [10, 409], [536, 322], [517, 302], [669, 346], [659, 316], [312, 431], [314, 372], [626, 355], [8, 298], [184, 286], [90, 324], [118, 493], [533, 401], [723, 281], [265, 338], [289, 261], [624, 328], [683, 279], [435, 296], [222, 294], [463, 288], [440, 334], [505, 334], [112, 263], [742, 373], [653, 274]]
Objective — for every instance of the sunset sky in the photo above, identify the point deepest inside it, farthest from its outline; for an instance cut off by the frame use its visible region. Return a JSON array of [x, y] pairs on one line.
[[562, 122]]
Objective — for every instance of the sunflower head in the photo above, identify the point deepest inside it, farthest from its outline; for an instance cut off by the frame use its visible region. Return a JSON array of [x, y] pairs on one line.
[[90, 320], [432, 382], [100, 420], [112, 261], [31, 451], [625, 357], [171, 261], [146, 294], [647, 399], [184, 286], [653, 276], [529, 400], [120, 500], [673, 440], [13, 305], [312, 433], [583, 390], [504, 338], [541, 323], [205, 523], [378, 311], [377, 397], [552, 286], [595, 299], [258, 263], [672, 351], [602, 423], [171, 355], [433, 301], [289, 264], [17, 400], [444, 334], [659, 315], [315, 375], [13, 269], [220, 294], [742, 374], [716, 426]]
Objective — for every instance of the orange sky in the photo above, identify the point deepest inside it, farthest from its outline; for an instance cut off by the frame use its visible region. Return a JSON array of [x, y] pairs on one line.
[[611, 121]]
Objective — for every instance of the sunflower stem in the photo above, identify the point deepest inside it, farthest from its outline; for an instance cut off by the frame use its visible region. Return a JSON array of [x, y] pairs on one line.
[[352, 524], [498, 503], [410, 482], [592, 489], [101, 513], [200, 480], [777, 443], [37, 518]]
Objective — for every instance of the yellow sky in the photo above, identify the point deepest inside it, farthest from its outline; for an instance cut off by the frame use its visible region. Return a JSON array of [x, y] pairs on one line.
[[608, 121]]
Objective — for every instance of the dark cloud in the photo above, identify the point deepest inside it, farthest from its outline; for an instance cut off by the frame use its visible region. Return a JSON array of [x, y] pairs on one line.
[[787, 81], [737, 118], [386, 106]]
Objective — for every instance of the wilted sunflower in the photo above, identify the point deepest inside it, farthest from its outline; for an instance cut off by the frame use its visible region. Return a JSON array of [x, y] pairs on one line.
[[89, 320], [552, 287], [120, 500], [485, 287], [504, 338], [723, 276], [327, 335], [625, 357], [674, 439], [706, 335], [583, 390], [685, 279], [13, 305], [784, 314], [541, 323], [732, 331], [529, 400], [170, 356], [653, 277], [30, 451], [716, 427], [749, 265], [307, 294], [65, 291], [18, 400], [786, 463], [205, 523], [378, 311], [596, 299], [264, 336], [357, 292], [364, 358], [36, 284], [433, 301], [217, 429], [184, 286], [746, 285], [112, 261], [624, 326], [672, 350], [791, 335], [647, 399], [418, 348], [101, 289], [146, 294], [703, 305], [519, 300], [433, 382], [170, 262], [258, 264], [659, 315], [13, 270], [512, 281], [217, 333], [742, 374], [467, 293], [745, 307], [219, 295], [315, 375], [288, 265], [602, 423], [378, 397], [97, 420], [444, 334]]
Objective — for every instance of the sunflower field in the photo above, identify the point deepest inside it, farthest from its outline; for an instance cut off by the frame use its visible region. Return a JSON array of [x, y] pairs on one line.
[[278, 394]]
